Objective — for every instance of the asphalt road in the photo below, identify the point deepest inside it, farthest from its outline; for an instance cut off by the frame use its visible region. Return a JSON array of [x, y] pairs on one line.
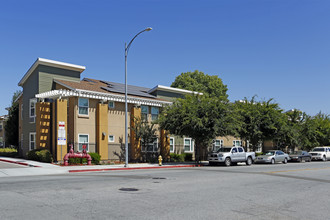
[[291, 191]]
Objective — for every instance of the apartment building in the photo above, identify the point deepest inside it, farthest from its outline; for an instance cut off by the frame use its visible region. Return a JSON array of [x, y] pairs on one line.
[[59, 109]]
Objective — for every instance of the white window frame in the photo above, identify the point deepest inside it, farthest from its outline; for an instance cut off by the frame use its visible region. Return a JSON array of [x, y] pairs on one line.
[[34, 134], [215, 145], [153, 146], [109, 138], [33, 117], [173, 150], [1, 126], [235, 141], [191, 145], [83, 107], [111, 107], [152, 119], [1, 142], [87, 150], [145, 113]]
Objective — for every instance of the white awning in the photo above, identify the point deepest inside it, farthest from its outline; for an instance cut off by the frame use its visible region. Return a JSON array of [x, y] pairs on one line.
[[101, 96]]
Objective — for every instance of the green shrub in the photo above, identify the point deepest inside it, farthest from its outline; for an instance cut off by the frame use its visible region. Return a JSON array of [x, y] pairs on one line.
[[95, 158], [8, 152], [187, 157], [177, 157], [41, 155]]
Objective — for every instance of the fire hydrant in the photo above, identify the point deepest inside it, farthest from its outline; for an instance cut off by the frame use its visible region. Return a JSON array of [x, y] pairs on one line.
[[160, 159]]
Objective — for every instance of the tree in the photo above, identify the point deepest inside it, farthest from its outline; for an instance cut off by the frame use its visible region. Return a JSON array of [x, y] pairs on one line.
[[200, 82], [11, 127], [323, 128], [145, 133], [200, 117], [309, 134], [260, 120]]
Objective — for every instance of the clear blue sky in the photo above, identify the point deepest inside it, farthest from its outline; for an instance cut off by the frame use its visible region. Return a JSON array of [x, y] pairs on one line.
[[271, 48]]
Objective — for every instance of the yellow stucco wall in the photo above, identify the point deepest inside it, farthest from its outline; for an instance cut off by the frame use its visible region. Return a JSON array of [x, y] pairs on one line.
[[102, 130], [135, 143], [59, 115]]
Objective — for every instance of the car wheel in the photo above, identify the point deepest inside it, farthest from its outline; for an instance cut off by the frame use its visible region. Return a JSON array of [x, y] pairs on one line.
[[286, 161], [248, 161], [310, 159], [228, 162], [324, 158], [273, 161], [299, 159]]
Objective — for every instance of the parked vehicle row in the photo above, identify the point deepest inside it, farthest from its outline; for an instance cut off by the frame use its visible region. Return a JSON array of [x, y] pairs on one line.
[[232, 155]]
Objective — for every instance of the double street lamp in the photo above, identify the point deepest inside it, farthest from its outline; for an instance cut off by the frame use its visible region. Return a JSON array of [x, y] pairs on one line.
[[127, 46]]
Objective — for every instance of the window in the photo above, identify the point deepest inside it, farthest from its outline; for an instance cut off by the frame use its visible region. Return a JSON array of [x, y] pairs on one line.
[[111, 104], [83, 105], [188, 145], [172, 144], [1, 141], [32, 141], [111, 138], [154, 113], [240, 150], [144, 112], [217, 144], [234, 150], [1, 127], [151, 147], [83, 140], [237, 143], [33, 110]]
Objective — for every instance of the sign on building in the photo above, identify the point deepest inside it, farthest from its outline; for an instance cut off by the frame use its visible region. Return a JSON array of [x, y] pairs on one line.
[[61, 136]]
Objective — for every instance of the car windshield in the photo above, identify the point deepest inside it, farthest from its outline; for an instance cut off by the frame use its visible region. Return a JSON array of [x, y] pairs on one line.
[[297, 153], [269, 153], [318, 149], [224, 149]]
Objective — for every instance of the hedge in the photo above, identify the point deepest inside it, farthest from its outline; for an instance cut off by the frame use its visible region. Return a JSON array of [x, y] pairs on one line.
[[8, 152], [41, 155]]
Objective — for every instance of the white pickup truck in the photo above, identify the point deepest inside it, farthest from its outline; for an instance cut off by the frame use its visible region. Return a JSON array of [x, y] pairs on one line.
[[231, 155]]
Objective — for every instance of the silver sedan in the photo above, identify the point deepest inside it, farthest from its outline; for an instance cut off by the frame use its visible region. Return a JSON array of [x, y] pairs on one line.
[[273, 156]]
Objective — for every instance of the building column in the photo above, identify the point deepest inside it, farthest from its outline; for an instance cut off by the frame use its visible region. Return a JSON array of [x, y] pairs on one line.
[[165, 144], [135, 143], [43, 129], [60, 129], [102, 131]]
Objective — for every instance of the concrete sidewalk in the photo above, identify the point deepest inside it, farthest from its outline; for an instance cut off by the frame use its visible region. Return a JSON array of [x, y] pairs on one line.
[[30, 168]]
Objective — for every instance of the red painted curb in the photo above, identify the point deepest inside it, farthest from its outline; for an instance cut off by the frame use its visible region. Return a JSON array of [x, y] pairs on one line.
[[132, 168], [20, 163]]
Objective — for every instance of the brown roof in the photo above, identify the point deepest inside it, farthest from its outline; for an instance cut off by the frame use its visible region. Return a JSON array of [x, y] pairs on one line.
[[96, 86]]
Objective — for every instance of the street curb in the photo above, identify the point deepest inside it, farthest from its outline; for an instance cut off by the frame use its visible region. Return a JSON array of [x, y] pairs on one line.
[[20, 163], [132, 168]]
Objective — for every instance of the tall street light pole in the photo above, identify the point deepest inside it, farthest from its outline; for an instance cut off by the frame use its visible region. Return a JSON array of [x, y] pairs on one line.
[[126, 128]]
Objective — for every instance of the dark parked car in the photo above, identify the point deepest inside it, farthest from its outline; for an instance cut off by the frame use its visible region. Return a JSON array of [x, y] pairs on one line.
[[300, 155]]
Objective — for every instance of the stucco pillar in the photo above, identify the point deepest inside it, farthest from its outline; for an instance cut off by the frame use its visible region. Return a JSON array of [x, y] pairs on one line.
[[102, 130], [165, 144], [43, 140], [135, 143], [60, 129]]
